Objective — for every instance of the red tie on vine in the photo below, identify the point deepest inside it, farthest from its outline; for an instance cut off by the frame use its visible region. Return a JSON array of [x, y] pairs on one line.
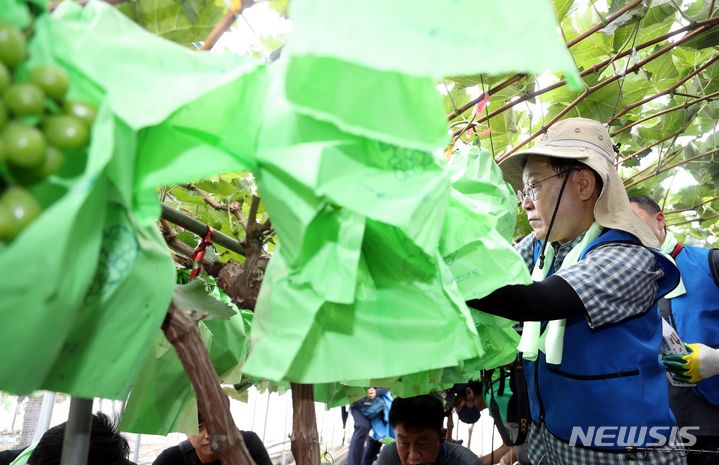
[[199, 253]]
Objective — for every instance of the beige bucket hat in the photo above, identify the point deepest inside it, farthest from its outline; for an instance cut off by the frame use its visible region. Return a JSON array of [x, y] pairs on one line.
[[588, 142]]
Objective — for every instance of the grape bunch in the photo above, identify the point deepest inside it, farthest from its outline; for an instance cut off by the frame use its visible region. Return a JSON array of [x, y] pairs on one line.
[[38, 128]]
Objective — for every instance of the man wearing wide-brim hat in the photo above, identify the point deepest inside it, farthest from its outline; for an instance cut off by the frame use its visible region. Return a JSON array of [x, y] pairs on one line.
[[592, 333]]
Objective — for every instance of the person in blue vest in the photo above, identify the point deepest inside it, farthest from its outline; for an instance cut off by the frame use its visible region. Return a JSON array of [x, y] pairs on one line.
[[693, 310], [371, 426], [592, 331]]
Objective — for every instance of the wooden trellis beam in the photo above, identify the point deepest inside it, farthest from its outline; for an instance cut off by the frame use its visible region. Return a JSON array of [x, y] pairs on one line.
[[676, 165], [634, 105], [709, 97], [591, 70], [694, 207], [608, 81]]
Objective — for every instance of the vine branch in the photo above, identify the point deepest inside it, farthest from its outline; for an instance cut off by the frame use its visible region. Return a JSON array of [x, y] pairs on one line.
[[603, 24], [235, 207], [591, 70], [634, 105], [709, 97], [224, 25], [700, 220], [665, 169], [610, 80], [694, 207], [199, 228]]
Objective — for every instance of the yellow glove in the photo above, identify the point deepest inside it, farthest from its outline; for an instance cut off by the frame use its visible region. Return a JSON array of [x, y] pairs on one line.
[[699, 363]]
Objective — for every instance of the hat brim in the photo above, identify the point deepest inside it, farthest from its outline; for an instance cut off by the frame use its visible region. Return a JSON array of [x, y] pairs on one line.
[[612, 209], [513, 165]]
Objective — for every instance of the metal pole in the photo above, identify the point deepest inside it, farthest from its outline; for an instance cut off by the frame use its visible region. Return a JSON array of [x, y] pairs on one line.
[[199, 228], [136, 454], [76, 443], [254, 406], [267, 411], [43, 423], [288, 407], [18, 403], [334, 430]]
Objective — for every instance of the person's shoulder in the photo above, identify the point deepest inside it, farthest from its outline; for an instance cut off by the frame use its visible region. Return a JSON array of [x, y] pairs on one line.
[[170, 456], [256, 448], [617, 251], [249, 436], [460, 455], [389, 455], [7, 456]]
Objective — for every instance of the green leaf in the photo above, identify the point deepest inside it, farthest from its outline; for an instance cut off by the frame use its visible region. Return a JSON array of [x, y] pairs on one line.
[[191, 9], [706, 39], [562, 7], [709, 79], [594, 48], [193, 297], [662, 72], [660, 13], [280, 6], [698, 10], [184, 22], [188, 238], [687, 59]]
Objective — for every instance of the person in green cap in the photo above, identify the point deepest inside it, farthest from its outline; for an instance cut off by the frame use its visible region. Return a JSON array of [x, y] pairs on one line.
[[592, 331]]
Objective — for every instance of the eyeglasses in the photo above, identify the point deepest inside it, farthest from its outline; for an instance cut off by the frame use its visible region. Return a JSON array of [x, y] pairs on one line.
[[529, 191]]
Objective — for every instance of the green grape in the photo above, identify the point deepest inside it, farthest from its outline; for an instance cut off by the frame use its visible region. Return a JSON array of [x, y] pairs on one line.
[[52, 164], [51, 79], [4, 77], [66, 132], [24, 99], [24, 145], [3, 115], [83, 111], [18, 208], [13, 48]]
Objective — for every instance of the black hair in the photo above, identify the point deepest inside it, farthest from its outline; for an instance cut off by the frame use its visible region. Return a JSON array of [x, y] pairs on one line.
[[107, 445], [646, 203], [417, 412]]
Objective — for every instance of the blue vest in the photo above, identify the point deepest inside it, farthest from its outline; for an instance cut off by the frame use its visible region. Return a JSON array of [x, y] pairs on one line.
[[695, 315], [609, 376]]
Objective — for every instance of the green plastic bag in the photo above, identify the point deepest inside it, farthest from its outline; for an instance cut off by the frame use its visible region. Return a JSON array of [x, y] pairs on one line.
[[162, 399], [96, 275], [360, 264], [369, 67]]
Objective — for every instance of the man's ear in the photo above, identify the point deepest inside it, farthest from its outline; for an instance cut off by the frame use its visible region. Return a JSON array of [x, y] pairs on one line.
[[586, 183], [661, 221]]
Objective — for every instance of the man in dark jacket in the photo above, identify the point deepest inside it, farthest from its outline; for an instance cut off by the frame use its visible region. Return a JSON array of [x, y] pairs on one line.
[[196, 450]]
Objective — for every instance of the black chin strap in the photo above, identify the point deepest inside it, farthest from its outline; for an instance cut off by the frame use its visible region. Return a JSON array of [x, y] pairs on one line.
[[551, 222]]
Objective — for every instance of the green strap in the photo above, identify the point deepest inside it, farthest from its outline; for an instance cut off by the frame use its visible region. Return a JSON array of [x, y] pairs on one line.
[[551, 342], [670, 242], [22, 458]]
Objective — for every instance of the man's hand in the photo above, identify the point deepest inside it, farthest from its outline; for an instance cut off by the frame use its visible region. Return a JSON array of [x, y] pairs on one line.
[[701, 362], [371, 393]]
